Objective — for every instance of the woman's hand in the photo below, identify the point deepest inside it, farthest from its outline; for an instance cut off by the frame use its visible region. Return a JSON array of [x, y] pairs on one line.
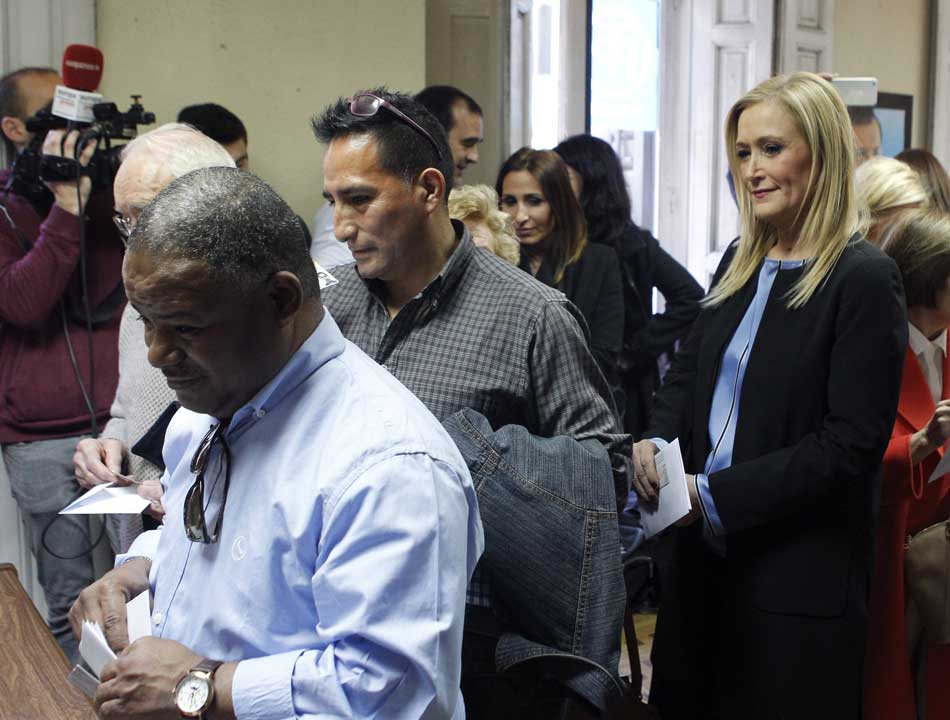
[[933, 435], [645, 479]]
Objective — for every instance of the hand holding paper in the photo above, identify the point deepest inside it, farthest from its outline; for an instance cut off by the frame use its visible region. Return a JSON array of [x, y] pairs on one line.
[[673, 501], [96, 651]]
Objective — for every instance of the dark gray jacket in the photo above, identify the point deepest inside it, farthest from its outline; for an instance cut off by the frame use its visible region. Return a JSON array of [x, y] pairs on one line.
[[552, 549]]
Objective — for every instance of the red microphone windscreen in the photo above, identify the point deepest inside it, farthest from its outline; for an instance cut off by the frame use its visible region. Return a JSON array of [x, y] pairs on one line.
[[82, 67]]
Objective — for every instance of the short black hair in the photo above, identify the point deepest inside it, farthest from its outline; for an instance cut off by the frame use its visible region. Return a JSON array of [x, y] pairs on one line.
[[215, 121], [231, 221], [402, 150], [11, 98], [439, 100]]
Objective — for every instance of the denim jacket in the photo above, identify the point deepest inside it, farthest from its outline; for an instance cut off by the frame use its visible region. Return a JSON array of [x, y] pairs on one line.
[[552, 549]]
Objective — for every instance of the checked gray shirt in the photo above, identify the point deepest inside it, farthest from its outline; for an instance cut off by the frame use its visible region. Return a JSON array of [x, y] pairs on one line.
[[486, 335]]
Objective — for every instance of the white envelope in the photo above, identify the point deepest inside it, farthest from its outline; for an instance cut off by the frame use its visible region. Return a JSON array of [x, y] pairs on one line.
[[107, 498], [673, 503]]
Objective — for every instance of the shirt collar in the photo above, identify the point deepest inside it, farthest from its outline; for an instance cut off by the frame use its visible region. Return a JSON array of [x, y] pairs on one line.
[[920, 343], [325, 343]]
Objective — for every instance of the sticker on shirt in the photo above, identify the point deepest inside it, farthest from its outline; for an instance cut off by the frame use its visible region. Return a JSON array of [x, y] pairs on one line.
[[326, 279]]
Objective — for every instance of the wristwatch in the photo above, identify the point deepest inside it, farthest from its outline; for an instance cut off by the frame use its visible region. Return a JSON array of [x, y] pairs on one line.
[[195, 692]]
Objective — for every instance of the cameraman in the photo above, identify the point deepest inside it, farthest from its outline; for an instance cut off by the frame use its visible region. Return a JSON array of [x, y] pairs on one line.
[[60, 305]]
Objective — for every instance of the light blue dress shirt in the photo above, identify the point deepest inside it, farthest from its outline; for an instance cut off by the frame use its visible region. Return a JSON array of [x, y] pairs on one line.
[[350, 533]]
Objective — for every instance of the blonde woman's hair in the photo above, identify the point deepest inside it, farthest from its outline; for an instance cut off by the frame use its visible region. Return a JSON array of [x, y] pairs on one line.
[[479, 203], [830, 214], [884, 184], [919, 242]]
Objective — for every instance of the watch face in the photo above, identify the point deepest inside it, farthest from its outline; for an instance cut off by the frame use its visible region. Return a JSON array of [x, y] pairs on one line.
[[192, 694]]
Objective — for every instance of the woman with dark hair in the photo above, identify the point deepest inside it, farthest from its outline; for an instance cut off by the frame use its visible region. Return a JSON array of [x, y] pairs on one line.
[[534, 189], [598, 181]]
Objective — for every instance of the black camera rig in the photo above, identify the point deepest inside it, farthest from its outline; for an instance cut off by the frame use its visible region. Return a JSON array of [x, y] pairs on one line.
[[31, 167]]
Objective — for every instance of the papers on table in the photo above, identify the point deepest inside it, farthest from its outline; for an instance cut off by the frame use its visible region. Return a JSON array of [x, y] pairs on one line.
[[943, 467], [93, 646], [673, 502], [107, 498]]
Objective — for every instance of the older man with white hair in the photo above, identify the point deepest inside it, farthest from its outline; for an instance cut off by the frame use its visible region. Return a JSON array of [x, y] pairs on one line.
[[142, 399]]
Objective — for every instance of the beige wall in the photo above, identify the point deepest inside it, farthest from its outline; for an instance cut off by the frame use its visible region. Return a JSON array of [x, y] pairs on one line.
[[889, 40], [273, 63]]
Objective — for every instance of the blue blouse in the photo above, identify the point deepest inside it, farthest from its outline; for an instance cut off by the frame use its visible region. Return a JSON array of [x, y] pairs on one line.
[[724, 413]]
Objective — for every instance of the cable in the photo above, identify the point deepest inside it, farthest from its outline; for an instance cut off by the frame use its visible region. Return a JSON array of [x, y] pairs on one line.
[[86, 551], [93, 421]]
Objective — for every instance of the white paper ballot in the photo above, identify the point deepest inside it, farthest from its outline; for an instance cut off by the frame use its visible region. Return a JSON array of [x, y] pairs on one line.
[[943, 467], [673, 503], [138, 616], [93, 646], [107, 498]]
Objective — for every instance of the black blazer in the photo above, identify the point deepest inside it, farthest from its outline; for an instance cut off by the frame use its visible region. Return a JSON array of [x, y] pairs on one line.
[[593, 284], [818, 403]]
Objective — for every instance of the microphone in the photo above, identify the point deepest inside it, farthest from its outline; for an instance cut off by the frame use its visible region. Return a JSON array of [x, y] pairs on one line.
[[82, 71]]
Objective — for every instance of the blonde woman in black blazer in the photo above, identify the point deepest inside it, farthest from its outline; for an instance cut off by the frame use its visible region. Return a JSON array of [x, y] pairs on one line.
[[783, 399]]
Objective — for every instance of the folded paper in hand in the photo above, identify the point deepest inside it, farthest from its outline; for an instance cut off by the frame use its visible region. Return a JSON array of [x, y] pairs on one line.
[[673, 501], [93, 646], [107, 498]]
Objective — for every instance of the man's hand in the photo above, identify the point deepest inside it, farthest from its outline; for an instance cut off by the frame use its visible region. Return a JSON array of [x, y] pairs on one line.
[[645, 479], [98, 460], [140, 683], [104, 601], [57, 142], [152, 491]]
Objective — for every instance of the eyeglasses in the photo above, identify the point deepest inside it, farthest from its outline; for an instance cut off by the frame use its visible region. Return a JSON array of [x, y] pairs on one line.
[[124, 225], [195, 527], [367, 105]]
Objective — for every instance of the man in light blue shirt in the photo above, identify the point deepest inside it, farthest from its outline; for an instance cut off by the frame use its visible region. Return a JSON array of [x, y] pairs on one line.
[[321, 527]]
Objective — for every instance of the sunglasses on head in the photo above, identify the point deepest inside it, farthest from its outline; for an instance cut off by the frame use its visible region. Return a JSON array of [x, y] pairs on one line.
[[366, 105]]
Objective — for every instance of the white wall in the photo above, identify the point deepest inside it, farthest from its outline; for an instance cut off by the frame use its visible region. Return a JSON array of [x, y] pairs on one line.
[[273, 63]]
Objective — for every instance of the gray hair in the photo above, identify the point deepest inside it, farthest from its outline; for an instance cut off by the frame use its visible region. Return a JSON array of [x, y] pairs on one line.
[[229, 220], [178, 149], [162, 155]]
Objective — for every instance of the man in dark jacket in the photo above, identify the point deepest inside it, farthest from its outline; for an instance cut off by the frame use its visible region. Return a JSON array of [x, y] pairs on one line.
[[60, 304]]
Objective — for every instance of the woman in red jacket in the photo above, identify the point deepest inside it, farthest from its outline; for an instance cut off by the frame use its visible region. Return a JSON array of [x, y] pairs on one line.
[[921, 248]]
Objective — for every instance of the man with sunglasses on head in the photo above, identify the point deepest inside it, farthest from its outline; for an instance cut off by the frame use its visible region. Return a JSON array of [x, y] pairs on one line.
[[460, 328], [320, 526]]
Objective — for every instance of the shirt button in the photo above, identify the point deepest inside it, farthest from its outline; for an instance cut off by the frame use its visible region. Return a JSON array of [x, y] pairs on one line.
[[157, 617], [385, 368], [259, 413]]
